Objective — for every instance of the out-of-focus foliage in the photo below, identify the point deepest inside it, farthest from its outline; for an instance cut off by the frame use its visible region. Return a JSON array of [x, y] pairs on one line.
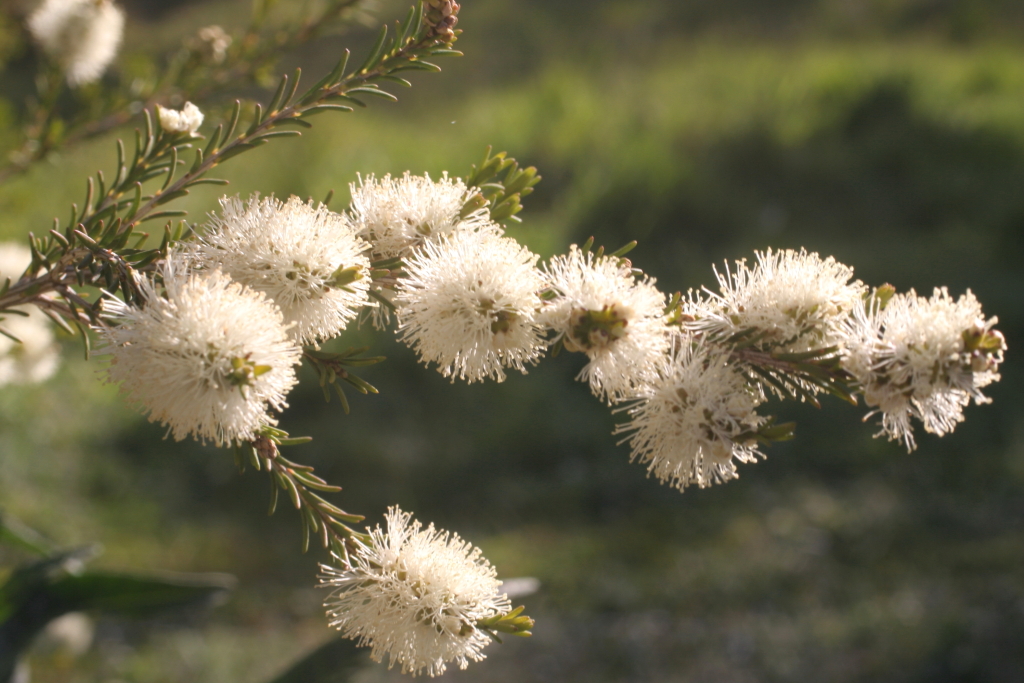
[[888, 134]]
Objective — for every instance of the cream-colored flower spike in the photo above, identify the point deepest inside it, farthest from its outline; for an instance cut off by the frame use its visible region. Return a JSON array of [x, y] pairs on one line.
[[36, 355], [794, 301], [416, 596], [469, 304], [694, 422], [396, 215], [304, 257], [924, 358], [82, 35], [187, 120], [601, 308], [204, 356]]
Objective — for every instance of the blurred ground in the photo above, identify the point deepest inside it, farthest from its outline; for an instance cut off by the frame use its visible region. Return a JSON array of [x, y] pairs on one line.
[[889, 134]]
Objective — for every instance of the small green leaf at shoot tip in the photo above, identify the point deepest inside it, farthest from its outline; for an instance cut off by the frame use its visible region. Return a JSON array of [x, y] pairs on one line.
[[295, 441], [624, 249]]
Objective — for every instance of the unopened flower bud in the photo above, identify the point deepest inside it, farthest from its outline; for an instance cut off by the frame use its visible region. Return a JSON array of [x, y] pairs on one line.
[[441, 17], [187, 120], [346, 276], [265, 448]]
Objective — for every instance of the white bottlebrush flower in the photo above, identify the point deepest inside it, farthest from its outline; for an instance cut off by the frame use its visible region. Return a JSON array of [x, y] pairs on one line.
[[207, 357], [82, 35], [304, 257], [924, 358], [794, 300], [415, 595], [696, 420], [396, 215], [36, 355], [469, 303], [187, 120], [598, 306]]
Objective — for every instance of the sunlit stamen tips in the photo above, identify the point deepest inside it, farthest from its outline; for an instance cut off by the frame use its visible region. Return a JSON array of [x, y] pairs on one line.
[[924, 358], [205, 356], [396, 215], [468, 303], [598, 306], [420, 596], [693, 422], [790, 301], [306, 258]]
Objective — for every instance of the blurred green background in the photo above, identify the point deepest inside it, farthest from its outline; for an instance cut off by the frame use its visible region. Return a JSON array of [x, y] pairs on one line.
[[888, 133]]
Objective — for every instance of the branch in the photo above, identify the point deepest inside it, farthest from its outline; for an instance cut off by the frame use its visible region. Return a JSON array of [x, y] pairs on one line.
[[244, 69], [327, 521]]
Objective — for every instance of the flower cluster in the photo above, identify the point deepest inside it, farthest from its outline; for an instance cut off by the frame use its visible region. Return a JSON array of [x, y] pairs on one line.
[[82, 35], [696, 419], [304, 257], [416, 595], [597, 305], [212, 349], [396, 215], [204, 356], [35, 355], [924, 358], [789, 301], [469, 304], [207, 341]]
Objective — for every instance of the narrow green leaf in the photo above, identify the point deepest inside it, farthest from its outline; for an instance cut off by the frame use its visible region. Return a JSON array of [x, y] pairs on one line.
[[207, 181], [214, 140], [236, 111], [377, 92], [375, 51], [163, 214], [16, 534], [321, 108], [276, 100]]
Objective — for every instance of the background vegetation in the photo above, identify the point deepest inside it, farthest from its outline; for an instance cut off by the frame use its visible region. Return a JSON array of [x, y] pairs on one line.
[[889, 133]]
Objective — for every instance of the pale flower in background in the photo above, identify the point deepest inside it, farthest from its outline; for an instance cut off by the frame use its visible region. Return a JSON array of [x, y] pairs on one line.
[[469, 304], [304, 257], [924, 358], [36, 355], [396, 215], [694, 422], [415, 595], [215, 41], [206, 357], [187, 120], [72, 634], [82, 35], [600, 307]]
